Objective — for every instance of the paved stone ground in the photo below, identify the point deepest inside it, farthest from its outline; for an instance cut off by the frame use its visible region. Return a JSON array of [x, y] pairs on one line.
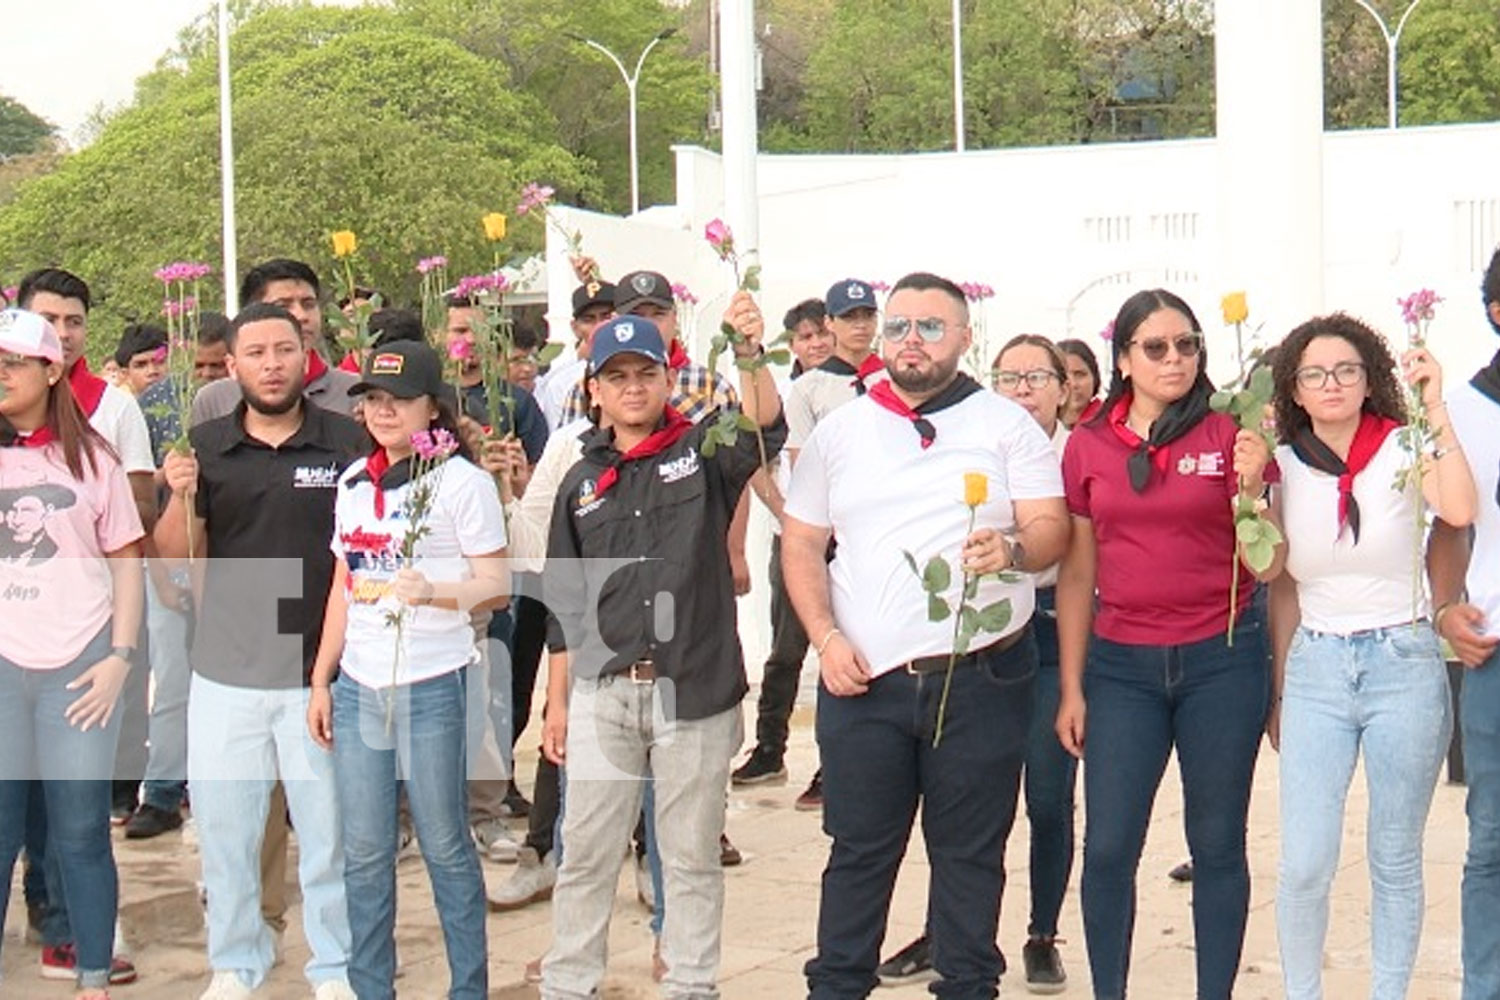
[[772, 906]]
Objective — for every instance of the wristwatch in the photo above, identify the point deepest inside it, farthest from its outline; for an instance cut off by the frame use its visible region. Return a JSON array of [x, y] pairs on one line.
[[126, 653], [1017, 554]]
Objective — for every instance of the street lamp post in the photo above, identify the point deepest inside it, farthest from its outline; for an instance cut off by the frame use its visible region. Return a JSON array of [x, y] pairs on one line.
[[632, 80], [1392, 40], [226, 167]]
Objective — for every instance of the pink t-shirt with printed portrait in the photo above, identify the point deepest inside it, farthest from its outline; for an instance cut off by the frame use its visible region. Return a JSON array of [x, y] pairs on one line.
[[56, 592]]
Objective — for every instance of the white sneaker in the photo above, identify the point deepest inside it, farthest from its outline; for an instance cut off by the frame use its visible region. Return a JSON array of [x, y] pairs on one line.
[[227, 985], [531, 882], [334, 989], [495, 841]]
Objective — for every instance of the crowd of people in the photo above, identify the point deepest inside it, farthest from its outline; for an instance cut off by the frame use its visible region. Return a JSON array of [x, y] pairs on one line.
[[323, 605]]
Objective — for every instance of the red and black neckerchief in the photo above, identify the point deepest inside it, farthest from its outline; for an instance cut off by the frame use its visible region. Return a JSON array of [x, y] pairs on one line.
[[677, 358], [674, 426], [872, 365], [1315, 454], [1151, 451], [383, 476], [960, 389], [12, 438]]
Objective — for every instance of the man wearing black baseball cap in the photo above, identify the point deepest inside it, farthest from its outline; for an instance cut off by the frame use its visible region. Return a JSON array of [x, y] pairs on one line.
[[593, 303], [644, 496]]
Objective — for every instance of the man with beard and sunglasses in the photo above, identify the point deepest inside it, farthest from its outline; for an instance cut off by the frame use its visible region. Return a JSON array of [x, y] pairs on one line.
[[924, 443], [257, 495]]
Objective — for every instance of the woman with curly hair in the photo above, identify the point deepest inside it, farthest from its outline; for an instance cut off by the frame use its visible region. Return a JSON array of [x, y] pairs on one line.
[[1356, 664]]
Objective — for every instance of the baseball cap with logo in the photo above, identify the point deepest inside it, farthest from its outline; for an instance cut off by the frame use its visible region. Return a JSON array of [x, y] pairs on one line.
[[848, 295], [592, 293], [406, 369], [639, 287], [25, 333], [627, 335]]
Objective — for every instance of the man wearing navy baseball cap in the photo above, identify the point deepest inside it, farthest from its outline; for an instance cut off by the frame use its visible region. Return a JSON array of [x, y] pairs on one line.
[[646, 498]]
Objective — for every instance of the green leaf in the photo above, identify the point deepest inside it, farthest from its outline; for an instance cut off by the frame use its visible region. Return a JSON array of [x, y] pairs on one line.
[[751, 281], [911, 561], [778, 357], [937, 609], [971, 587], [995, 617], [1260, 554], [1247, 529], [729, 333], [549, 353], [750, 364], [744, 422], [937, 575], [968, 622], [1220, 401]]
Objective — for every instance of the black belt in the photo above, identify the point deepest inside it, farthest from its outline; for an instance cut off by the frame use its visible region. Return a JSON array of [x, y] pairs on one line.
[[936, 664], [639, 672]]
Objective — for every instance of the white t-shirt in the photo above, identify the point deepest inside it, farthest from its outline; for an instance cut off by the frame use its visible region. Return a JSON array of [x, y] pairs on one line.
[[465, 520], [1476, 421], [863, 474], [552, 388], [1048, 576], [814, 395], [119, 420], [1343, 587], [531, 516]]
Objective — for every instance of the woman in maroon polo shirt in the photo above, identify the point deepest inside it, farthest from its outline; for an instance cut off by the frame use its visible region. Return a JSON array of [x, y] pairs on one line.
[[1149, 481]]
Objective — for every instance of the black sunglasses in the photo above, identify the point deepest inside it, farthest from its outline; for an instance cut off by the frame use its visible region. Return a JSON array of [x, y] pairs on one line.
[[1187, 344]]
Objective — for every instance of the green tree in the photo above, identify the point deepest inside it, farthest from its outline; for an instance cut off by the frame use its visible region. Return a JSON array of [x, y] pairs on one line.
[[581, 88], [378, 127], [22, 132]]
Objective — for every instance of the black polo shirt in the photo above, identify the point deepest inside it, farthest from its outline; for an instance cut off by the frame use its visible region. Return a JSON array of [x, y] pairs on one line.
[[642, 572], [269, 514]]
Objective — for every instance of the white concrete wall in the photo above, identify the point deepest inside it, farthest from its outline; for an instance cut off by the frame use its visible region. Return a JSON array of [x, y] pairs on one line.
[[1064, 234]]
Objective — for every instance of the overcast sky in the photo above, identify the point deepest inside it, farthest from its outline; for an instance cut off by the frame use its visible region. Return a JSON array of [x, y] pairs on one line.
[[62, 58]]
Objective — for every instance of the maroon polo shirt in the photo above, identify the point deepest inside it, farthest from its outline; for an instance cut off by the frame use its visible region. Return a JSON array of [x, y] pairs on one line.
[[1163, 555]]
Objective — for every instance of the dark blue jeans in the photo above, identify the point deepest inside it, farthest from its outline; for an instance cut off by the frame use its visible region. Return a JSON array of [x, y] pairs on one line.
[[425, 752], [74, 768], [1209, 701], [1051, 776], [879, 764]]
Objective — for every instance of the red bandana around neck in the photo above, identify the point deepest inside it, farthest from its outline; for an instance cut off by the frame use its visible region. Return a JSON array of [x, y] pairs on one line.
[[886, 398], [1368, 437], [88, 388], [677, 358], [349, 364], [676, 425], [871, 365], [39, 438], [316, 367], [385, 476]]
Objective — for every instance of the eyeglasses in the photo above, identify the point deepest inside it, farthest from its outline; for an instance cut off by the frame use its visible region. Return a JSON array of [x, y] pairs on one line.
[[1345, 374], [930, 328], [1187, 344], [1037, 378]]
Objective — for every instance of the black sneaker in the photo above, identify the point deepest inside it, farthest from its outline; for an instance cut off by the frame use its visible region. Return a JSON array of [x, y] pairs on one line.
[[762, 767], [515, 803], [1044, 969], [149, 821], [811, 800], [912, 964]]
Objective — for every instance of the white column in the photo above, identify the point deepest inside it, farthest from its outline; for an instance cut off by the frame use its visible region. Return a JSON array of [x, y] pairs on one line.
[[737, 87], [1269, 69]]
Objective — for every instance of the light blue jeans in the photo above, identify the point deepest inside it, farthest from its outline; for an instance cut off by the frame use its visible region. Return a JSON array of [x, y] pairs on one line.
[[166, 767], [1384, 691], [240, 740], [423, 750]]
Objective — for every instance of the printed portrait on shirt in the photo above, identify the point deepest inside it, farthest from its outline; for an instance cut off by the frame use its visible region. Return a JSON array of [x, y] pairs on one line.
[[26, 541]]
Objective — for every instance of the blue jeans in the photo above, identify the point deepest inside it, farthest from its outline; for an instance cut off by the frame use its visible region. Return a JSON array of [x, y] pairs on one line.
[[1479, 714], [423, 750], [240, 742], [74, 768], [879, 764], [1050, 779], [1208, 700], [166, 767], [1386, 691]]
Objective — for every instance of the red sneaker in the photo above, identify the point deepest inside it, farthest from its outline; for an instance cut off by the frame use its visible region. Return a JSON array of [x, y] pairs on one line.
[[61, 962]]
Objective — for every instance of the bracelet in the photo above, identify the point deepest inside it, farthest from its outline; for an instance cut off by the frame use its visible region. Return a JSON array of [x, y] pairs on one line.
[[1437, 615], [827, 639]]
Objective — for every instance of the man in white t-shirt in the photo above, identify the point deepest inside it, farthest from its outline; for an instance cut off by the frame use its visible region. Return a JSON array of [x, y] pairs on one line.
[[1467, 614], [593, 303], [923, 473], [64, 300]]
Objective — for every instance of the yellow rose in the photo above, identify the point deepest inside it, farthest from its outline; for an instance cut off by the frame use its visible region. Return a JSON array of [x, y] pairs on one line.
[[1236, 309], [976, 489], [494, 227], [344, 244]]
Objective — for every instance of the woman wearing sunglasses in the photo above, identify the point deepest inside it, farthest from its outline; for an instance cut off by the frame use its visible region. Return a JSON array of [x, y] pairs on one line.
[[1357, 664], [1149, 481]]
